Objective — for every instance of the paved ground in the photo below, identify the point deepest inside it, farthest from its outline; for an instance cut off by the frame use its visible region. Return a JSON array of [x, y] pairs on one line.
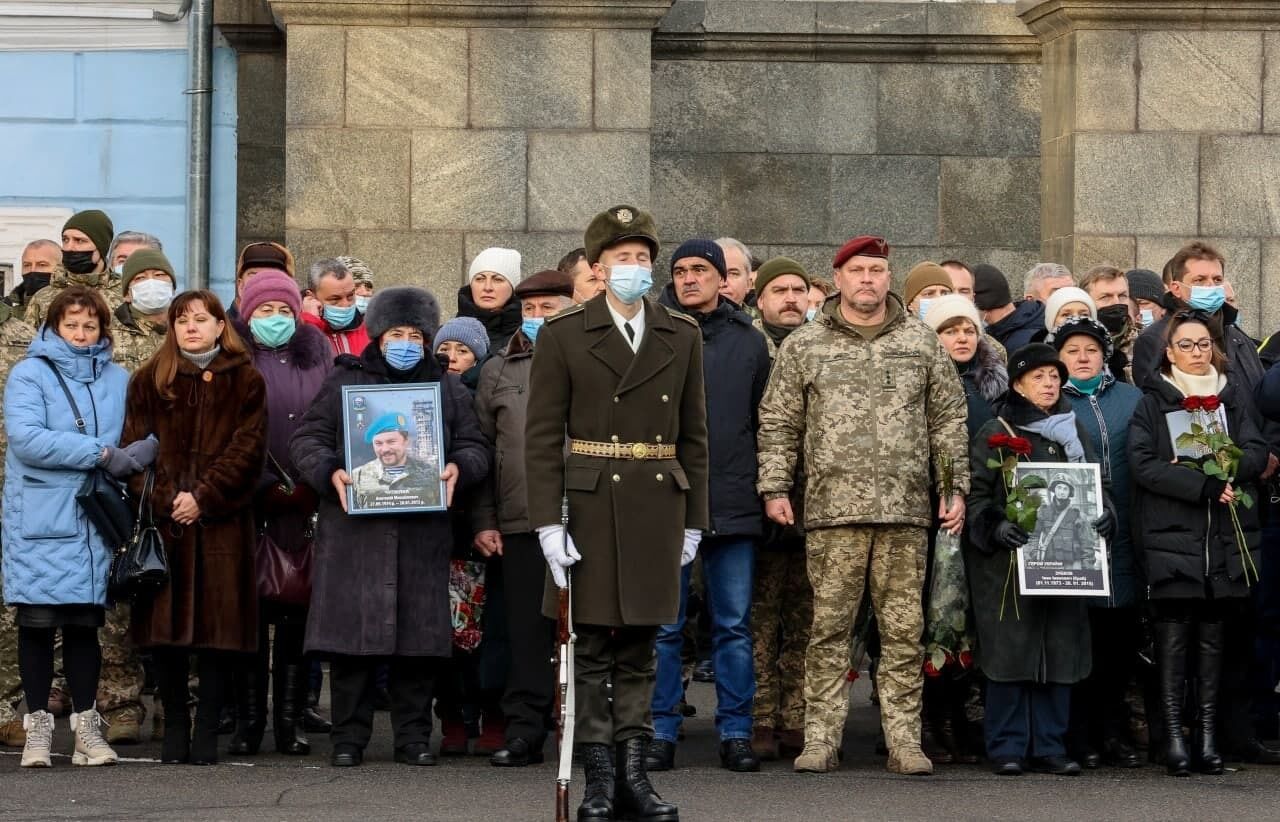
[[272, 787]]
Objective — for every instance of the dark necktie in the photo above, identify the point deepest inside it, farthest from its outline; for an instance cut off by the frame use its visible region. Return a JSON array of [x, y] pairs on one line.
[[631, 332]]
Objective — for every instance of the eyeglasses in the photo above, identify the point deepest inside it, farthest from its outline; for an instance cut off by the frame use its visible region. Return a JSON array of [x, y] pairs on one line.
[[1187, 346]]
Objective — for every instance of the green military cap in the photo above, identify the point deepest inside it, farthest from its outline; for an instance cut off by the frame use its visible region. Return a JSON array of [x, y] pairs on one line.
[[145, 259], [390, 421], [775, 268], [622, 222]]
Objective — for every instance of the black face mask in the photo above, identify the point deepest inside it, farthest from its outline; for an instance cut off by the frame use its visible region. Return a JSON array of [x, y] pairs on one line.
[[33, 282], [1114, 318], [79, 262]]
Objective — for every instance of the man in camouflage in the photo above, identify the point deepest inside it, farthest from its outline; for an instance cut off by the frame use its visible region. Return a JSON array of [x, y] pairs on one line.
[[393, 477], [782, 603], [1061, 533], [148, 285], [15, 336], [86, 239], [868, 397]]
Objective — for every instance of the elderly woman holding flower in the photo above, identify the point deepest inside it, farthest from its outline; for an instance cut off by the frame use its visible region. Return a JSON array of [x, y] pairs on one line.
[[1032, 649], [1196, 450]]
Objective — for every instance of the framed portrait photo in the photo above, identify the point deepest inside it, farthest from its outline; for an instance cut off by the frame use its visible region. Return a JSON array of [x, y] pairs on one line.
[[394, 439], [1065, 555]]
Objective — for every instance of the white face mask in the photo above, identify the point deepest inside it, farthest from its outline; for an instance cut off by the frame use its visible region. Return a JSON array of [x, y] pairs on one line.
[[151, 296]]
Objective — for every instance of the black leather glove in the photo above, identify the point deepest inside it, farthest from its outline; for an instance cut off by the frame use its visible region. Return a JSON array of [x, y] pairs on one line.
[[1105, 525], [119, 464], [1010, 536], [143, 451], [1213, 488]]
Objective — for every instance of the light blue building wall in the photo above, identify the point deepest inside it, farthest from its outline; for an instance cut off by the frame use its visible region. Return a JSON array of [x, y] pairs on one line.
[[108, 129]]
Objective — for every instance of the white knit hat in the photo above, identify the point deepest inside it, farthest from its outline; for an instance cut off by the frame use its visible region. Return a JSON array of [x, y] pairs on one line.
[[950, 306], [504, 261], [1061, 297]]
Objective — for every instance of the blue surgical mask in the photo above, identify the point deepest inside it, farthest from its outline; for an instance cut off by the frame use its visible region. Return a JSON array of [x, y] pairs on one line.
[[273, 331], [403, 355], [118, 270], [1148, 317], [530, 326], [924, 306], [810, 315], [339, 316], [1207, 297], [629, 282], [362, 304]]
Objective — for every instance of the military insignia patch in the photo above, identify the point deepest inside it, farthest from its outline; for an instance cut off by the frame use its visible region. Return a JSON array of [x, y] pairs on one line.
[[624, 215]]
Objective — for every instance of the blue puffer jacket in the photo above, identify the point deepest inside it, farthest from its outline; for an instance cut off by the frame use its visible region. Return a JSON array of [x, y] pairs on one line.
[[1105, 415], [52, 555]]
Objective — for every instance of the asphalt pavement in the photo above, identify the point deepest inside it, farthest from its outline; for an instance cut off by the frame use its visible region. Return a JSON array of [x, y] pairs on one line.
[[273, 787]]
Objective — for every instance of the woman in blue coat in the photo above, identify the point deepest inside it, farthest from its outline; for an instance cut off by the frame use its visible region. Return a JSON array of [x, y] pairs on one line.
[[1104, 407], [63, 413]]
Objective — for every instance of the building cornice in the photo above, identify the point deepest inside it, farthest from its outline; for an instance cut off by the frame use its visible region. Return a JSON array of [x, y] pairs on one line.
[[869, 48], [1050, 19], [595, 14]]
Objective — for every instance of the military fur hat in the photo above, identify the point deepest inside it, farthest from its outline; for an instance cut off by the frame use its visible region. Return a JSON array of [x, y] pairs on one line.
[[620, 223], [402, 305]]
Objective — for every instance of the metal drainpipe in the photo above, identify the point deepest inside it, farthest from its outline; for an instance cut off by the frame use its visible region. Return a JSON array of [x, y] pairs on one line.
[[199, 138]]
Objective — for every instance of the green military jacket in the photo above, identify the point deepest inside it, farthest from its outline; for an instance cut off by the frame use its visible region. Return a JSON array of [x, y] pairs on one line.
[[15, 336], [107, 283], [868, 415], [135, 339]]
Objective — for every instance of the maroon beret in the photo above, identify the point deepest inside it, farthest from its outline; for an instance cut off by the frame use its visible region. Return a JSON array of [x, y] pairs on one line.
[[868, 245], [555, 283]]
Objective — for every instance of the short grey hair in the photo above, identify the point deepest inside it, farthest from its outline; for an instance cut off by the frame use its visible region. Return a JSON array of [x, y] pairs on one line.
[[1044, 271], [328, 267], [727, 243], [134, 238], [43, 244]]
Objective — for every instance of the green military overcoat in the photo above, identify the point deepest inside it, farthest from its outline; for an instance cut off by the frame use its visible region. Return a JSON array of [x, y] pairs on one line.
[[627, 517]]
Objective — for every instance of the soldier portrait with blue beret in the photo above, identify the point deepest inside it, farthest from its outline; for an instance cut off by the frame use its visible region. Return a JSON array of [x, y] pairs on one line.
[[393, 478]]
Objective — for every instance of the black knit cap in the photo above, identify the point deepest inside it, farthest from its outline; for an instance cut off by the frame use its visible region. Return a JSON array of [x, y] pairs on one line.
[[990, 287], [1082, 325]]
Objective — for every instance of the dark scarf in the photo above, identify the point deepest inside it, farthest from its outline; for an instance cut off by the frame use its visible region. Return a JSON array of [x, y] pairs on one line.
[[777, 333], [499, 324]]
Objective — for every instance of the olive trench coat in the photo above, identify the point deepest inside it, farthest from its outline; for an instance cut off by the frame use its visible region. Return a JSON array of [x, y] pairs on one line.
[[627, 517]]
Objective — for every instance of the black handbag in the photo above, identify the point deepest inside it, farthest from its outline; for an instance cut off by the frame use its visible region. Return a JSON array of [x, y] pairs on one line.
[[140, 567], [102, 497]]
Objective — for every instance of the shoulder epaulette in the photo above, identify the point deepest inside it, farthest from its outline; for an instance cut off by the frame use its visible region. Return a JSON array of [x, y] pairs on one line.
[[567, 312], [679, 315]]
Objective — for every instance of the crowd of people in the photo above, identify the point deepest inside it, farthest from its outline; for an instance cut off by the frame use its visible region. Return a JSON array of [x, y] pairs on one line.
[[744, 458]]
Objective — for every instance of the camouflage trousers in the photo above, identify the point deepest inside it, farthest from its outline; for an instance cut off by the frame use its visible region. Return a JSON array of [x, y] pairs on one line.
[[781, 613], [844, 561], [120, 683], [10, 682]]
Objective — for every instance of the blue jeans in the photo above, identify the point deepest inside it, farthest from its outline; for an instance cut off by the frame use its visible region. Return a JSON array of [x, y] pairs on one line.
[[1026, 719], [728, 565]]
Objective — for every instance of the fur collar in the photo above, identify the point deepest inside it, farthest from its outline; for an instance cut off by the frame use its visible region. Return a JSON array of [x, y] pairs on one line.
[[988, 373], [308, 346]]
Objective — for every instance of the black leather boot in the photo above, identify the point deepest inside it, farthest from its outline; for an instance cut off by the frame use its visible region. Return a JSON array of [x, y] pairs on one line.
[[636, 797], [1171, 659], [174, 695], [1208, 677], [290, 696], [215, 682], [597, 798], [251, 711]]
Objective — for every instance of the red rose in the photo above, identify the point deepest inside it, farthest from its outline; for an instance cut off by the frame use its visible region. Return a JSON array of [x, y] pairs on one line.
[[851, 676], [966, 659], [998, 440], [1192, 404], [948, 657], [1020, 446], [929, 670], [1210, 403]]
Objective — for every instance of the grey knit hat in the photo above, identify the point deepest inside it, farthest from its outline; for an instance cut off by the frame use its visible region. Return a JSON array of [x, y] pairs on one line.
[[466, 330], [1145, 285]]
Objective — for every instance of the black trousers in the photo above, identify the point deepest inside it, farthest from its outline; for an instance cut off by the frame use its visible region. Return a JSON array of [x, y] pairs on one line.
[[624, 656], [531, 679], [410, 683], [1098, 708]]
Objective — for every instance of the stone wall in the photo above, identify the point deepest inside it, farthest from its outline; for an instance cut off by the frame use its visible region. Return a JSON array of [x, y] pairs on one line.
[[795, 125]]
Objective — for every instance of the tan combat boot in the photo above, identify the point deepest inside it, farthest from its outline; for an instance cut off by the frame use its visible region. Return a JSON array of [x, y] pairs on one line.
[[39, 727], [12, 734], [124, 725], [91, 748], [817, 757], [909, 760]]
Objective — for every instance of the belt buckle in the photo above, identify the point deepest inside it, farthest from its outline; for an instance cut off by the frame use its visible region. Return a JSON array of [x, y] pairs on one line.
[[639, 451]]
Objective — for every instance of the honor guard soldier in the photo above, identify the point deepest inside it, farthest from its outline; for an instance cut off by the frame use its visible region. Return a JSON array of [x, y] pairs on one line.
[[625, 375]]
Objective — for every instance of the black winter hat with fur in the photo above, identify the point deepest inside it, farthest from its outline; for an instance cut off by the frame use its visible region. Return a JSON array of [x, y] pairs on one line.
[[402, 305]]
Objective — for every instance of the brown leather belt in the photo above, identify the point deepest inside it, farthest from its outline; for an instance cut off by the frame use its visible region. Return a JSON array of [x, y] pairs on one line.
[[623, 450]]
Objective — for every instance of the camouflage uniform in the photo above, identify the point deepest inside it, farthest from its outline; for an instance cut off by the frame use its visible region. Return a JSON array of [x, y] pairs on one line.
[[867, 414], [15, 336], [136, 339], [107, 283], [370, 483]]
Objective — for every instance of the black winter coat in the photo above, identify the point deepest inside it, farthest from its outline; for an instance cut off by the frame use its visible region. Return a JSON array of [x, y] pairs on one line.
[[381, 582], [500, 324], [1020, 327], [1186, 541], [735, 367], [1045, 639]]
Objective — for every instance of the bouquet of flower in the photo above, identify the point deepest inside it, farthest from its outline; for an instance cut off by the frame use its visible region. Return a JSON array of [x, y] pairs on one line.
[[1208, 436], [946, 633], [1022, 505], [466, 602]]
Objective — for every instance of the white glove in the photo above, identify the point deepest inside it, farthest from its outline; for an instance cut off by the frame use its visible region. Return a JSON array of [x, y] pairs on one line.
[[690, 548], [559, 551]]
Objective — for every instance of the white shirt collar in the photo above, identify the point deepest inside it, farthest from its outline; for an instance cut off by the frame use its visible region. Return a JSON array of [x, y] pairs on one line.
[[637, 325]]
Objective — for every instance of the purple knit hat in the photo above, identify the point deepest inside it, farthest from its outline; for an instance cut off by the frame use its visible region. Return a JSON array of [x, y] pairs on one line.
[[266, 285]]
